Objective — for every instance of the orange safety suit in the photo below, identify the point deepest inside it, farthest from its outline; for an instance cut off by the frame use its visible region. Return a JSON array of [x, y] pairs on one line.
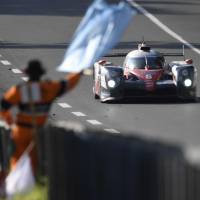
[[33, 100]]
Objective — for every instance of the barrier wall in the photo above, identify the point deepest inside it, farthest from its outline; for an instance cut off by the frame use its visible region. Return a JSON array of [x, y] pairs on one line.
[[88, 165], [5, 146]]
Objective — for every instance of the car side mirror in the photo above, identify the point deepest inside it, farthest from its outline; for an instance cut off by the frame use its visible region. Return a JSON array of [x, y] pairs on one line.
[[167, 67]]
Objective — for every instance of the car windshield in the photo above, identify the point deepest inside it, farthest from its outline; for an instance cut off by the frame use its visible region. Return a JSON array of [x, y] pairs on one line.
[[142, 62]]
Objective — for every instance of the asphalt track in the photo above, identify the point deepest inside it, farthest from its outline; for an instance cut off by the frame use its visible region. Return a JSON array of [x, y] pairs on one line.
[[31, 29]]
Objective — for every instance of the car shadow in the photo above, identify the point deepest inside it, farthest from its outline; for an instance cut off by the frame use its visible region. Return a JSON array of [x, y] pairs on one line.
[[155, 100]]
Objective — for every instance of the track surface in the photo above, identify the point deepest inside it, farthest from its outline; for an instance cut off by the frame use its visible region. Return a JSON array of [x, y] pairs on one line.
[[30, 29]]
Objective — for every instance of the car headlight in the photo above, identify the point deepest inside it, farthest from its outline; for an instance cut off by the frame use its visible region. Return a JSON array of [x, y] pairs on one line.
[[111, 83], [188, 82]]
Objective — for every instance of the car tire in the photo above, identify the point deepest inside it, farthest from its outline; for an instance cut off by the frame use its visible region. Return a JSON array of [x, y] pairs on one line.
[[190, 99], [100, 97], [96, 96], [102, 100]]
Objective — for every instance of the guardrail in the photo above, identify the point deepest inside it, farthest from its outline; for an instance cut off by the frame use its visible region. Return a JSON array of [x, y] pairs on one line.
[[85, 164], [5, 146], [90, 165]]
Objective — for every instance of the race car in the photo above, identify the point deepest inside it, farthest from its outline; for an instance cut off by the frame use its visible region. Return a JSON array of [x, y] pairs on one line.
[[144, 73]]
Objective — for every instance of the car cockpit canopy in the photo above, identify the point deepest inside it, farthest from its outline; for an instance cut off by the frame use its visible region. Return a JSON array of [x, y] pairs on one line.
[[153, 62], [143, 58]]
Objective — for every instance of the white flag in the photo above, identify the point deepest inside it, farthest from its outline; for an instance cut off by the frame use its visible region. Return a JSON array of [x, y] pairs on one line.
[[20, 179], [100, 29]]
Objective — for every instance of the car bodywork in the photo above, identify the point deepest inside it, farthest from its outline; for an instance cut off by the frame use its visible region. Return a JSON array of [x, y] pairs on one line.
[[144, 73]]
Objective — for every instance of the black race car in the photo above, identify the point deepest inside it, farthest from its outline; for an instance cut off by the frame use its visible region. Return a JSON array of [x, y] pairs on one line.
[[145, 73]]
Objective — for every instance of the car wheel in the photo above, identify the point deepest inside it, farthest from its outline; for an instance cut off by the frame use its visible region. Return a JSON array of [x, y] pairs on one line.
[[190, 99], [100, 97], [102, 100], [96, 96], [194, 100]]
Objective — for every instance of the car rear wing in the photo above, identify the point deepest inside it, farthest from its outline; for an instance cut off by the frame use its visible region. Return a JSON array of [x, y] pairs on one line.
[[116, 55], [124, 54], [173, 54], [164, 54], [176, 54]]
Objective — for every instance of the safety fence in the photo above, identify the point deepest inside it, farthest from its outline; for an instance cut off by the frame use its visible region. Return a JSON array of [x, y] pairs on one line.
[[90, 165], [5, 146], [85, 164]]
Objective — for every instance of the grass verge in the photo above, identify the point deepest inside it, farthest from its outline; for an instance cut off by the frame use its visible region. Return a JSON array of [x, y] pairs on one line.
[[39, 192]]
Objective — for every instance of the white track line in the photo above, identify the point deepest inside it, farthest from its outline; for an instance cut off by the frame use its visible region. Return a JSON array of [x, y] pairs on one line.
[[163, 26], [5, 62], [16, 71], [193, 154], [24, 78], [64, 105], [88, 72], [111, 130], [94, 122], [79, 114]]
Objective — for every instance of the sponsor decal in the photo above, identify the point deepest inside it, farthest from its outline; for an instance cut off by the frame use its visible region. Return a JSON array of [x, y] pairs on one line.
[[148, 76]]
